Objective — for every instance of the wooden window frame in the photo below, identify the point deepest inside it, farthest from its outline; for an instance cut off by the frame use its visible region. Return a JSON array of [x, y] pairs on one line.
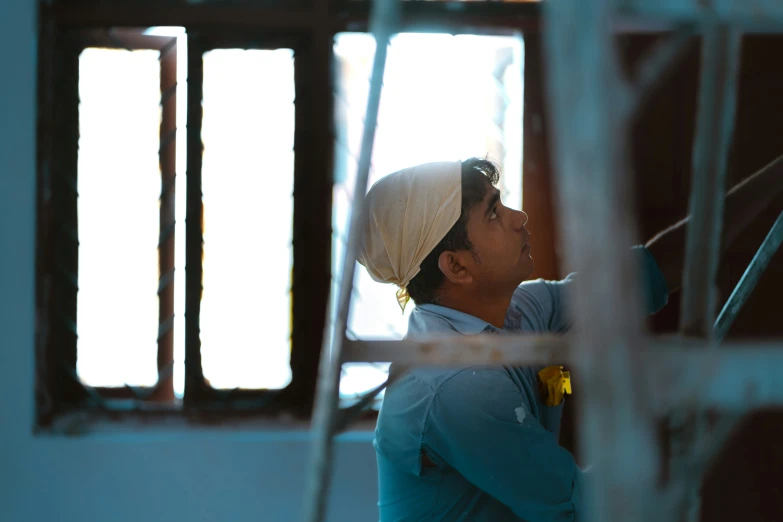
[[58, 387], [311, 222]]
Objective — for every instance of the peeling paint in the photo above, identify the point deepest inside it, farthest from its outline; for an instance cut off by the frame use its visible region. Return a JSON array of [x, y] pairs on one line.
[[521, 413]]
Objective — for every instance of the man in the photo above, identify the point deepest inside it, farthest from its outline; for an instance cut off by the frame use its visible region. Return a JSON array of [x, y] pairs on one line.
[[480, 444]]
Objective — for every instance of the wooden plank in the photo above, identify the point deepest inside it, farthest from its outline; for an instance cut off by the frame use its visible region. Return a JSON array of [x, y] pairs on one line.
[[735, 377], [462, 350], [523, 349]]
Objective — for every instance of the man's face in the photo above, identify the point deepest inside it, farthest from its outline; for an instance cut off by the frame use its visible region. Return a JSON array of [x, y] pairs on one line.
[[501, 244]]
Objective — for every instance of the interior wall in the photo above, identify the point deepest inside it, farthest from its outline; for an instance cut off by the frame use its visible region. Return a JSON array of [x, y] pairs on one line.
[[195, 474]]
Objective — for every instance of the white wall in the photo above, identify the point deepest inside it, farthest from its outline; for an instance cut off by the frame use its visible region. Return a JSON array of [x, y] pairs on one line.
[[144, 477]]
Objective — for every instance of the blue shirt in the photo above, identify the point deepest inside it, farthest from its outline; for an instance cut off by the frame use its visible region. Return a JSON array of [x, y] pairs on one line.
[[491, 444]]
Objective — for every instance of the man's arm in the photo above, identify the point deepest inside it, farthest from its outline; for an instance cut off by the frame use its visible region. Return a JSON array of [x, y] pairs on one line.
[[542, 306], [744, 202]]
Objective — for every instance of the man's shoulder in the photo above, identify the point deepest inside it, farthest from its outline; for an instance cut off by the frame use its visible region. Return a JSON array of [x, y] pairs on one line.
[[534, 304], [429, 320], [423, 323]]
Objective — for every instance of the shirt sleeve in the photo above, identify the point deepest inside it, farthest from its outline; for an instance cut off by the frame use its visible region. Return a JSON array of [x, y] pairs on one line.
[[481, 425], [541, 306]]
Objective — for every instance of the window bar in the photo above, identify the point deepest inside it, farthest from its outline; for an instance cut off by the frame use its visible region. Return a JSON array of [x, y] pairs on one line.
[[313, 166], [194, 236], [168, 149], [326, 405], [584, 87], [715, 124], [68, 390]]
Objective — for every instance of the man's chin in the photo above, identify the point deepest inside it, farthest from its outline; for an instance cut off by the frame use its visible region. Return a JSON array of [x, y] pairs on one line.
[[529, 267]]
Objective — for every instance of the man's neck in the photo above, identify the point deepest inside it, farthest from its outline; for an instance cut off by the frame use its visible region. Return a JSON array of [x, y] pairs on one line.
[[491, 309]]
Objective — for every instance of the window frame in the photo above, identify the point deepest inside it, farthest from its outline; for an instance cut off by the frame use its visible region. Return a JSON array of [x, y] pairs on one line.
[[57, 385], [311, 256], [309, 29]]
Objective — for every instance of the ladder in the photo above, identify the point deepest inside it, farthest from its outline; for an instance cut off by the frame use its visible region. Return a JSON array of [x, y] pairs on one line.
[[678, 377]]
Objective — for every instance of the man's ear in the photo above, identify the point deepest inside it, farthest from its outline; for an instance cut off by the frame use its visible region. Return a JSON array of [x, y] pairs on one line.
[[453, 267]]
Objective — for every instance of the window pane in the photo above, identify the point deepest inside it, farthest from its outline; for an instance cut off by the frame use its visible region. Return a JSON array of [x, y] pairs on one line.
[[248, 176], [444, 98], [119, 187]]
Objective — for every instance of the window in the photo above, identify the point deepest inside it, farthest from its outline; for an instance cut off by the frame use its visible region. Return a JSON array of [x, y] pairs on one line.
[[248, 183], [119, 184], [445, 98], [252, 309], [108, 221], [122, 248]]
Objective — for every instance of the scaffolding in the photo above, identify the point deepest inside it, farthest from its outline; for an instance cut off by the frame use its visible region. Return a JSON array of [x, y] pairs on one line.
[[677, 377]]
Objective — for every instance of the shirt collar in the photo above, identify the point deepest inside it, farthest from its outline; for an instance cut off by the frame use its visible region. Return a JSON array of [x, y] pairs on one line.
[[428, 318]]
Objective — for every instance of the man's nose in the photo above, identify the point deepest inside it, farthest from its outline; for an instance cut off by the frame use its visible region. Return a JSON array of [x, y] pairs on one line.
[[520, 219]]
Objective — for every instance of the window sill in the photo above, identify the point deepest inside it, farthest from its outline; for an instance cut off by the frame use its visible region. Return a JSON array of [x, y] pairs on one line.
[[173, 425]]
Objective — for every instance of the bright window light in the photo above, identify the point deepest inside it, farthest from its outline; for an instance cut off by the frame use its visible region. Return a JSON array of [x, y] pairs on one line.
[[444, 98], [247, 181], [119, 222]]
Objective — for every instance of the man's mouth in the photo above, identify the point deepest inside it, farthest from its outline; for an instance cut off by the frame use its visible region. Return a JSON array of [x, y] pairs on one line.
[[526, 248]]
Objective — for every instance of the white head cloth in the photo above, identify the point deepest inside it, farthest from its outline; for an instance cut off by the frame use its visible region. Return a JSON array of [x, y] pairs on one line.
[[408, 213]]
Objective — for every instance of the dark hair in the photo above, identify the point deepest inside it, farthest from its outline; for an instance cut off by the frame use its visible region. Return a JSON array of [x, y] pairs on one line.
[[476, 172]]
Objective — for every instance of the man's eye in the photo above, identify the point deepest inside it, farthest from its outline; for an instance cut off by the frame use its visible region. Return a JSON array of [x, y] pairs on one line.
[[493, 215]]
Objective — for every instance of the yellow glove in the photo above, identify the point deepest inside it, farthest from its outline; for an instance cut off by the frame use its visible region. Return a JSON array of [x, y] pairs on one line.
[[555, 382]]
